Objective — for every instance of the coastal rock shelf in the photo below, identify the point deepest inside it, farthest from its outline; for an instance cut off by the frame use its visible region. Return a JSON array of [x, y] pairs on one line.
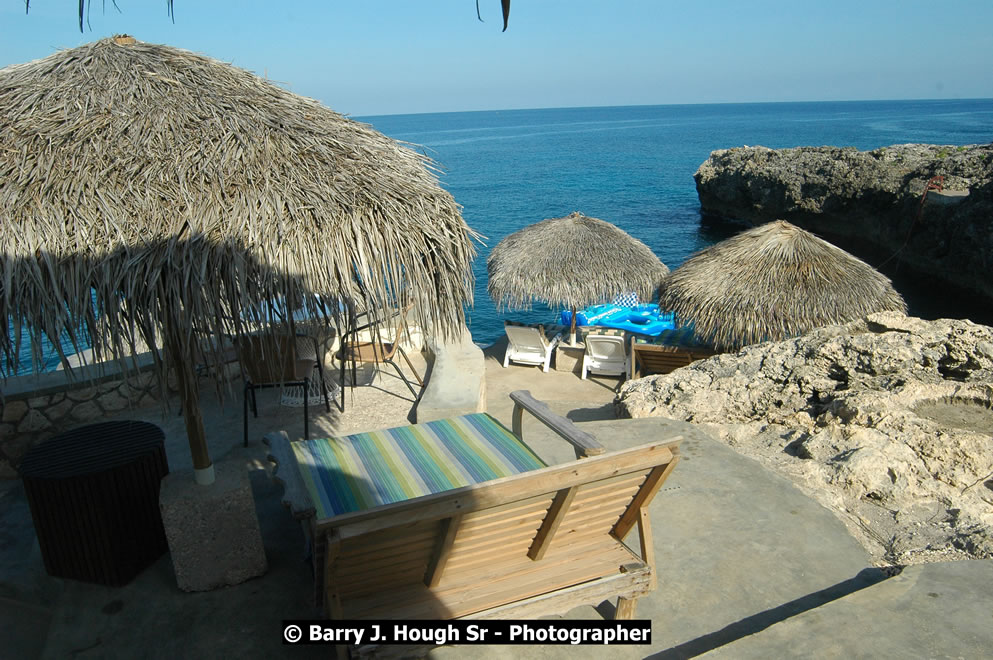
[[887, 421], [870, 201]]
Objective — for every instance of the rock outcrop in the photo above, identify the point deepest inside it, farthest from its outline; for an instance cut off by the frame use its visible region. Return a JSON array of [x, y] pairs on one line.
[[869, 200], [887, 421]]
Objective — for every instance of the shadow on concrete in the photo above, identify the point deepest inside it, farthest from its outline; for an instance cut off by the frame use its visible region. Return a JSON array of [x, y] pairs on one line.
[[762, 620], [611, 383], [606, 411]]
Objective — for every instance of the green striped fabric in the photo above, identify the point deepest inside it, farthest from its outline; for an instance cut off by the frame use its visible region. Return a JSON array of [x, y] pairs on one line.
[[361, 471]]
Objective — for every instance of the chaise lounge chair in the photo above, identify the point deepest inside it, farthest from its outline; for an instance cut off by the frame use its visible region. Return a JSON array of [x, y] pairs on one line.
[[605, 354], [515, 540], [528, 344]]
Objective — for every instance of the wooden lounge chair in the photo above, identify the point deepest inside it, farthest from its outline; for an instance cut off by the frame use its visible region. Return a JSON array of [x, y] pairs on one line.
[[536, 543], [647, 359]]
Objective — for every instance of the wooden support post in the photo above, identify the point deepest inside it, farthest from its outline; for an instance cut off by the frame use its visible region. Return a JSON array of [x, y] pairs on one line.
[[443, 549], [625, 608], [556, 512], [644, 495], [332, 599], [518, 421], [189, 397], [646, 542]]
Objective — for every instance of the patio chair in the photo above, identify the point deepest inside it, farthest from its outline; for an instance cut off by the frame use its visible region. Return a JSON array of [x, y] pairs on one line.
[[376, 351], [276, 360], [605, 354], [528, 344], [518, 540]]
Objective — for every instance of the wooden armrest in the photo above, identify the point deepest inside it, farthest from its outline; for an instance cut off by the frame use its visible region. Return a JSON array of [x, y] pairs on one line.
[[295, 494], [585, 443]]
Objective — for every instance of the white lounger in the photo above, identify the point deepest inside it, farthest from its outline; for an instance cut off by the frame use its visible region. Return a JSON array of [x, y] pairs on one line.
[[528, 344]]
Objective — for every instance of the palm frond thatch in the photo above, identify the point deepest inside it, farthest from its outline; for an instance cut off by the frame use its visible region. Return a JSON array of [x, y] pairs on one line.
[[571, 262], [183, 191], [773, 282]]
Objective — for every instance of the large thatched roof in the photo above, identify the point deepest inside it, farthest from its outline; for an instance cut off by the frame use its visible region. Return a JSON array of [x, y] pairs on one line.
[[124, 163], [183, 189], [773, 282], [573, 261]]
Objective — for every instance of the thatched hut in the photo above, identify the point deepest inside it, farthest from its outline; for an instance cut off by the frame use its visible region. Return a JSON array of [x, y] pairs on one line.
[[183, 191], [773, 282], [571, 262]]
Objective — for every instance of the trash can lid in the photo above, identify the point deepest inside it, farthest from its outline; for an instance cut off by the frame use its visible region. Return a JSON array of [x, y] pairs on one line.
[[90, 449]]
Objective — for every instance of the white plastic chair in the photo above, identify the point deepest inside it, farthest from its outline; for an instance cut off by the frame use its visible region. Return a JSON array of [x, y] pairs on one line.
[[605, 354], [528, 345]]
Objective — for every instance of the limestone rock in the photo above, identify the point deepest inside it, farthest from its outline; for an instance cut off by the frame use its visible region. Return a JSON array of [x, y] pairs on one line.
[[868, 200], [887, 420]]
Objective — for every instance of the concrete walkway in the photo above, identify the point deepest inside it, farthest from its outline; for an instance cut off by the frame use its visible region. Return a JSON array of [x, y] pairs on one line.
[[748, 565], [929, 611]]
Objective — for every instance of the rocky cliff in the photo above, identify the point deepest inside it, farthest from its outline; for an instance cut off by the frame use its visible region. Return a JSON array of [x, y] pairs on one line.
[[869, 201], [887, 421]]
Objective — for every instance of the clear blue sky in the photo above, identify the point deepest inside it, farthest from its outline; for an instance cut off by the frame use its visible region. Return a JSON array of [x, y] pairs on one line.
[[371, 57]]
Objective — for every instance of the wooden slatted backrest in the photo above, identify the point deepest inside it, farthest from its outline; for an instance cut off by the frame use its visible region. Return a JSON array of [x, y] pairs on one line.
[[483, 531], [649, 359]]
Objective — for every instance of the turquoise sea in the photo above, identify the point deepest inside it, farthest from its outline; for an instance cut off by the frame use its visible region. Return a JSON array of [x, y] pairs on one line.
[[633, 166]]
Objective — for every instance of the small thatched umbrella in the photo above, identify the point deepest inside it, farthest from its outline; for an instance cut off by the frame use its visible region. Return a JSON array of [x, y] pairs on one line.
[[773, 282], [571, 262], [184, 191]]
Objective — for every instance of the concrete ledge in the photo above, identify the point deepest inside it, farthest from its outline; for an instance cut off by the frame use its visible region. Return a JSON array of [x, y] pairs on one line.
[[456, 382], [569, 358], [54, 382], [213, 531], [946, 197]]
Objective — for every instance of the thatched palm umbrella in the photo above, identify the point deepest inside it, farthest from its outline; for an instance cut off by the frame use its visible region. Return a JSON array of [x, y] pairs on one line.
[[571, 262], [773, 282], [183, 191]]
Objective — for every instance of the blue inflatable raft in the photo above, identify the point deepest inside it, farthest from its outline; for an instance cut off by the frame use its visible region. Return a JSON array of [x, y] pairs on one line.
[[646, 319]]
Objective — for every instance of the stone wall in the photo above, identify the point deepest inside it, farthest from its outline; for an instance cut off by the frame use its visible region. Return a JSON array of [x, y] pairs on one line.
[[29, 416]]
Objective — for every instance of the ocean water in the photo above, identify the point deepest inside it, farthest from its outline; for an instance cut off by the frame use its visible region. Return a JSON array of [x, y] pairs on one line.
[[633, 166]]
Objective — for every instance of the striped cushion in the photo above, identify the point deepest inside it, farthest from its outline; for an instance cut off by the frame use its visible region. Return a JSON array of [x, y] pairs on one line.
[[361, 471], [600, 330], [609, 332]]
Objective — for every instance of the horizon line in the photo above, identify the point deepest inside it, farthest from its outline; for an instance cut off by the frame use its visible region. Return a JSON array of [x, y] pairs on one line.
[[657, 105]]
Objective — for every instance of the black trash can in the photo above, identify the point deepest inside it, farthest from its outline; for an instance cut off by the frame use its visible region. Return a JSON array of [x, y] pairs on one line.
[[94, 498]]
